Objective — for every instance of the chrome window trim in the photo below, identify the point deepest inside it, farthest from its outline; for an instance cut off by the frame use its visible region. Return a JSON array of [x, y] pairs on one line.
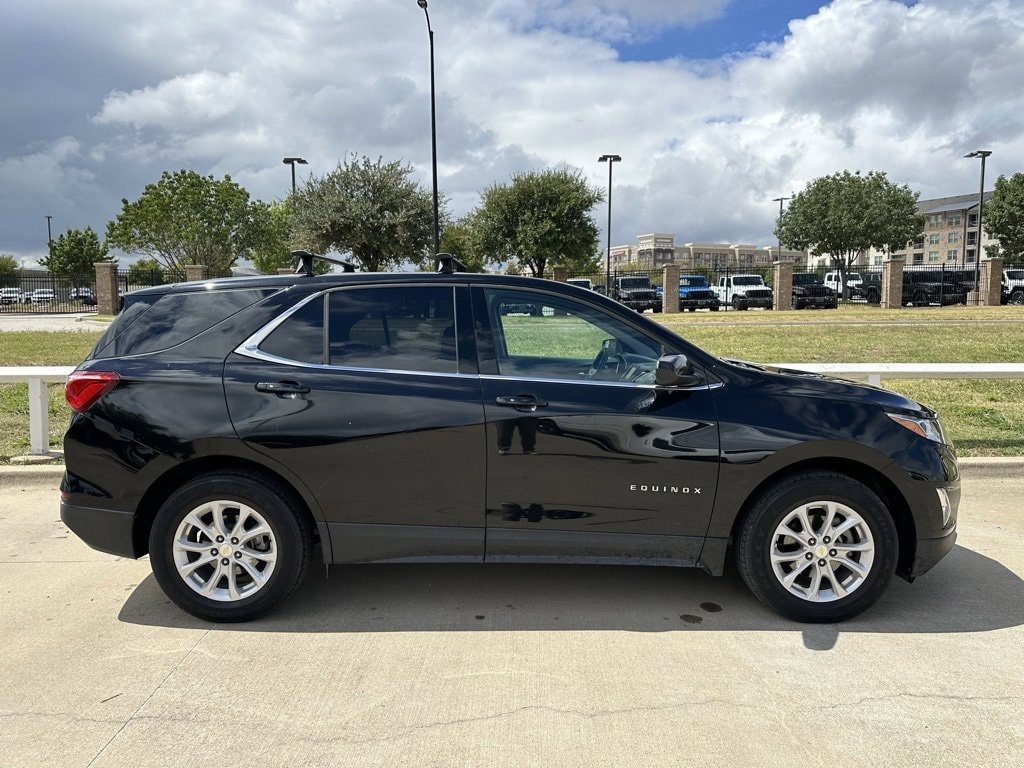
[[250, 347]]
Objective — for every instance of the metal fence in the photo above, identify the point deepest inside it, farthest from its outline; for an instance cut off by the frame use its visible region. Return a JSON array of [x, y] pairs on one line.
[[923, 284], [40, 292]]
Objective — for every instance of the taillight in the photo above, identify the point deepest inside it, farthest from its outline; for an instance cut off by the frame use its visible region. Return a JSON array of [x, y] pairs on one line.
[[83, 388]]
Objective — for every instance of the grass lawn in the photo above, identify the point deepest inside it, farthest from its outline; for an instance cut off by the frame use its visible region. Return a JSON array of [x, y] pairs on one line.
[[985, 417]]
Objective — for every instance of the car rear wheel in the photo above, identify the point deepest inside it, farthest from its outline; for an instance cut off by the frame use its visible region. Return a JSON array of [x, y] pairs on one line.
[[230, 546], [1017, 297], [818, 547]]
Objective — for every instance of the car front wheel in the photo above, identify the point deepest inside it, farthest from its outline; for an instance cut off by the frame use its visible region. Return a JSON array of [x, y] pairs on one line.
[[230, 546], [818, 547]]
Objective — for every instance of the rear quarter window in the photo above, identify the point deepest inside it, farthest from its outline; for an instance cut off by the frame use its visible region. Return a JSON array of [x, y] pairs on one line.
[[173, 318]]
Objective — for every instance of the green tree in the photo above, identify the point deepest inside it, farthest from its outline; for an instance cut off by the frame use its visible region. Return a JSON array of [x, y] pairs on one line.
[[147, 272], [461, 239], [845, 214], [185, 218], [9, 268], [1004, 216], [542, 218], [75, 253], [373, 210], [272, 244]]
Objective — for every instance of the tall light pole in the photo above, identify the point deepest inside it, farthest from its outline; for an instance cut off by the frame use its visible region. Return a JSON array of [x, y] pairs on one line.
[[49, 236], [611, 160], [780, 201], [982, 153], [433, 127], [292, 161]]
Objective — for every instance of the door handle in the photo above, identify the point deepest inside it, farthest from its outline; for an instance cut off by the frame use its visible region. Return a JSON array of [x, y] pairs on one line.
[[524, 403], [288, 389]]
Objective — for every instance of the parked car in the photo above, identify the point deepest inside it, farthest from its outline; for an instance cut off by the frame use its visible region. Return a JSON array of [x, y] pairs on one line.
[[42, 296], [696, 293], [744, 291], [10, 296], [83, 295], [921, 288], [810, 292], [853, 279], [580, 282], [1013, 286], [636, 292], [226, 427]]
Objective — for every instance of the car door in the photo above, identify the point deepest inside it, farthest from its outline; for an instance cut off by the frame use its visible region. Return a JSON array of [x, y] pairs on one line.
[[365, 395], [588, 458]]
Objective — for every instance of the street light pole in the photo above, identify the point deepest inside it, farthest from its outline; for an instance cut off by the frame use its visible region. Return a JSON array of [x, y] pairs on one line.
[[611, 160], [49, 236], [982, 153], [433, 127], [780, 201], [292, 161]]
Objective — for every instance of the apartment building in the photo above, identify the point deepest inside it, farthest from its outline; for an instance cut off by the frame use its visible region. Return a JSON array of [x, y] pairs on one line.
[[950, 235]]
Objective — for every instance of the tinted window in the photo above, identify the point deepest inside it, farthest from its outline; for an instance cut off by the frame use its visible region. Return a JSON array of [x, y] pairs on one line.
[[177, 317], [409, 328], [301, 336]]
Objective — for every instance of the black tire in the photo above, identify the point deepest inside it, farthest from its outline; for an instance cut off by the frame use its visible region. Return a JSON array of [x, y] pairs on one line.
[[873, 296], [760, 534], [920, 300], [714, 308], [1017, 297], [289, 537]]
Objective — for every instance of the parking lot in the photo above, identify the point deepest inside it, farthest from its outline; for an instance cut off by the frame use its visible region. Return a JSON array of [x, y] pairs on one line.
[[442, 665]]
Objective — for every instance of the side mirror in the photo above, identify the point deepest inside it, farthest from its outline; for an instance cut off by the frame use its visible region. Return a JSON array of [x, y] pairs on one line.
[[676, 371]]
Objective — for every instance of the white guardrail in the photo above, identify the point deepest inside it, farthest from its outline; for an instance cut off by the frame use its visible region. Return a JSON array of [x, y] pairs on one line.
[[39, 376]]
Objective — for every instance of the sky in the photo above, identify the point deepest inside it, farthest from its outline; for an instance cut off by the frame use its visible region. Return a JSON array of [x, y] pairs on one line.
[[715, 106]]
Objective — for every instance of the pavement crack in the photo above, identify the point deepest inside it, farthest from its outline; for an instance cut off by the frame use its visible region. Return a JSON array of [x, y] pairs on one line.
[[150, 697]]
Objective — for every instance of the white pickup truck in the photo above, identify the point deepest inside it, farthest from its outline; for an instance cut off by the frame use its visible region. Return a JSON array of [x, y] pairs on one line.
[[1013, 285], [744, 291]]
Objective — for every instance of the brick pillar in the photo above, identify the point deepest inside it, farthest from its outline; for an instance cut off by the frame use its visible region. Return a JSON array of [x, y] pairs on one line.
[[561, 274], [992, 280], [670, 289], [892, 284], [782, 290], [108, 302], [194, 272]]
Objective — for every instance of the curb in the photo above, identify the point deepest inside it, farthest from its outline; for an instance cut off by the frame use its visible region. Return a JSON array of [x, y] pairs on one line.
[[994, 467]]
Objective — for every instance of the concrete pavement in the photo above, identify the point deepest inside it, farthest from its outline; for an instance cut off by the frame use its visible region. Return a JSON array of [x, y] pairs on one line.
[[440, 665]]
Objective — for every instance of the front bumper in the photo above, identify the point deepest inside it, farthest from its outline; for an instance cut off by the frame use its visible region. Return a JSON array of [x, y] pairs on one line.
[[929, 552]]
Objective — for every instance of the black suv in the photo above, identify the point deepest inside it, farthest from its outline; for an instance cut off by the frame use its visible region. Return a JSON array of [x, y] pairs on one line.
[[228, 427], [810, 291]]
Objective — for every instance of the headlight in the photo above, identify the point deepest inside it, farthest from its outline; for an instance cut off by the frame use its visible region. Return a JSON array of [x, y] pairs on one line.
[[929, 429]]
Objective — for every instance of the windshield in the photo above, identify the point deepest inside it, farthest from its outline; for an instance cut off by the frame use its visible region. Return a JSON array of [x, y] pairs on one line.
[[748, 280], [694, 282], [1015, 274], [634, 282], [853, 277]]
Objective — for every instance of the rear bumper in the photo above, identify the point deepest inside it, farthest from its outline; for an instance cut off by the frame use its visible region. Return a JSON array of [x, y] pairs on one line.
[[106, 530]]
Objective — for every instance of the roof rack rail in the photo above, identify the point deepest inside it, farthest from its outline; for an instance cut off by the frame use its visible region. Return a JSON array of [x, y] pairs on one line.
[[446, 264], [304, 262]]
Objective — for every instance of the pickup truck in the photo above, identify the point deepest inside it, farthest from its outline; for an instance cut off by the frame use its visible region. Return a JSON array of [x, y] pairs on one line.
[[809, 291], [696, 293], [744, 291], [1013, 285], [636, 292]]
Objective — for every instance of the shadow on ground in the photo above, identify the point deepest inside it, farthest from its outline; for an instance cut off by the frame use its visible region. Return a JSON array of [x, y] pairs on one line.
[[966, 592]]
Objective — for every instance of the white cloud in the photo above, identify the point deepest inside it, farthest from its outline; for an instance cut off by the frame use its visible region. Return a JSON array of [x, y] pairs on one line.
[[223, 88]]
